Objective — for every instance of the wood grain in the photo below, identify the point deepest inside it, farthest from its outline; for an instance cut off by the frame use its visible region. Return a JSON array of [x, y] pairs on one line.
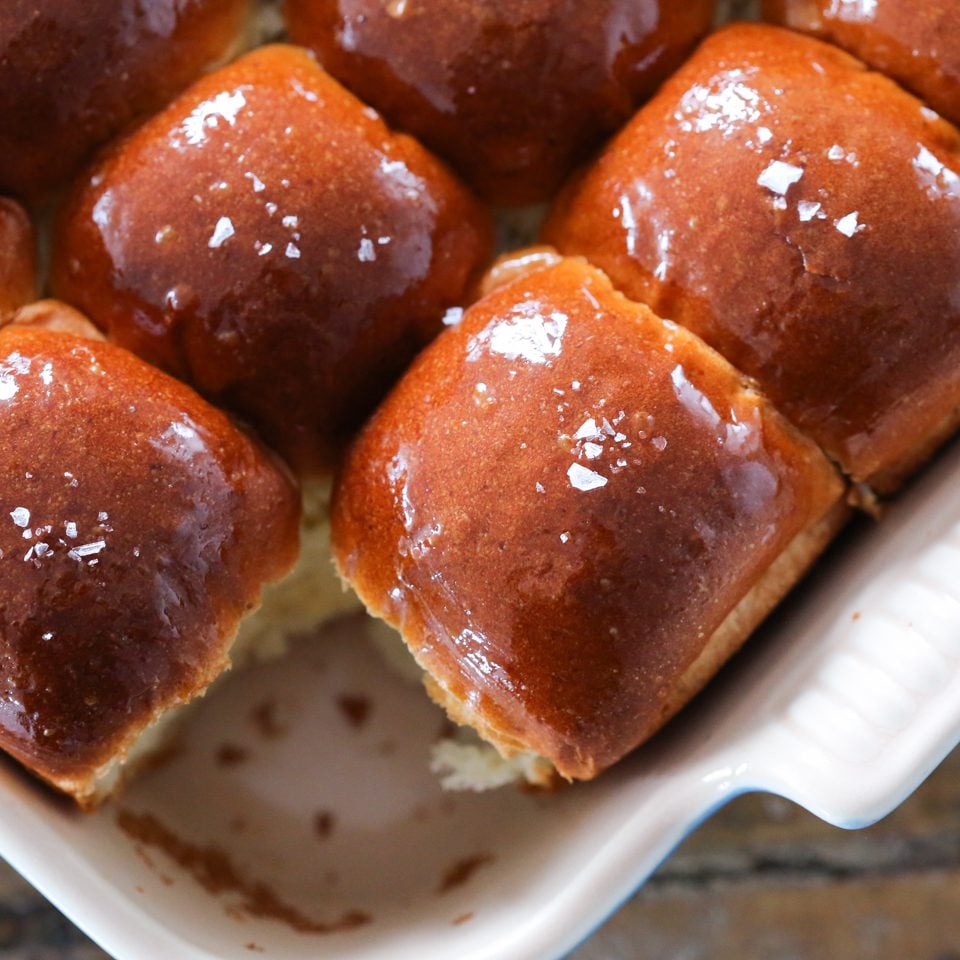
[[765, 879]]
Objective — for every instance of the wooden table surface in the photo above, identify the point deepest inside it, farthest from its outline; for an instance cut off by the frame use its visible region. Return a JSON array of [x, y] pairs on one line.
[[762, 880], [765, 880]]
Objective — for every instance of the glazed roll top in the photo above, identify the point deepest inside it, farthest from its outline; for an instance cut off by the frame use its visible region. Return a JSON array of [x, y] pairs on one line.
[[18, 258], [137, 527], [916, 43], [513, 94], [73, 73], [267, 239], [802, 215], [573, 512]]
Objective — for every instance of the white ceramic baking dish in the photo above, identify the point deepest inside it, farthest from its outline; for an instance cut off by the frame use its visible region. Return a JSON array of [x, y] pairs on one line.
[[303, 793], [310, 775]]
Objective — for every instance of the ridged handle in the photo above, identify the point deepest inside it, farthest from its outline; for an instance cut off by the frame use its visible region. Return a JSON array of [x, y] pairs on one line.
[[866, 699]]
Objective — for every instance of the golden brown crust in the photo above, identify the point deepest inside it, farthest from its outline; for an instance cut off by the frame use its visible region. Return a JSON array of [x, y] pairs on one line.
[[771, 587], [512, 93], [18, 258], [58, 317], [559, 505], [515, 265], [74, 73], [803, 216], [137, 527], [917, 44], [269, 240]]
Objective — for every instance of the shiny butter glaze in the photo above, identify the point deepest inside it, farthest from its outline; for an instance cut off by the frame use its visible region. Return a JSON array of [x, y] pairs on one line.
[[18, 258], [916, 43], [137, 526], [512, 92], [73, 72], [803, 216], [267, 239], [559, 504]]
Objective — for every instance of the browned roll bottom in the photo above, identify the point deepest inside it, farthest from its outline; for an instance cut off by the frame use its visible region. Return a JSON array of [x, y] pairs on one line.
[[74, 72], [915, 43], [267, 239], [574, 512], [512, 92], [137, 528], [802, 215]]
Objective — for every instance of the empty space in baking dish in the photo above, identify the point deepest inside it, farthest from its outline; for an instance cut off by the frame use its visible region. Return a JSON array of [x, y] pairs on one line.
[[311, 775]]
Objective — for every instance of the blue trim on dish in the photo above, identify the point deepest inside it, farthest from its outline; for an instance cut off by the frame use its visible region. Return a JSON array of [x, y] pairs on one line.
[[693, 826], [739, 791]]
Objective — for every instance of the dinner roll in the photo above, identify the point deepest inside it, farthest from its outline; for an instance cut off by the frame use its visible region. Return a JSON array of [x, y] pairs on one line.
[[267, 239], [802, 215], [137, 528], [18, 258], [73, 72], [917, 44], [512, 93], [574, 512]]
